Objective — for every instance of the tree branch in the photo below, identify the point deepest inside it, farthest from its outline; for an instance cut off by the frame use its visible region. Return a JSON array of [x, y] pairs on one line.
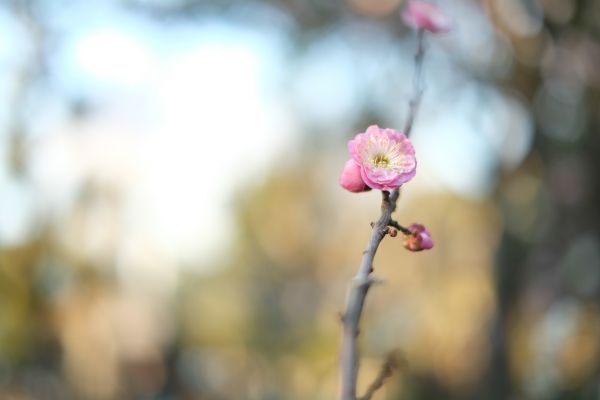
[[363, 280], [356, 298]]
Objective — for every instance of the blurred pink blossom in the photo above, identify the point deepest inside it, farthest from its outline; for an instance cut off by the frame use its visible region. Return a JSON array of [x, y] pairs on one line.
[[419, 238], [424, 15], [385, 156], [351, 179]]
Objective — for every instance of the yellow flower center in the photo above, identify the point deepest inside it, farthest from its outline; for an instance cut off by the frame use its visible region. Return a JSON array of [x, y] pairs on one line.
[[381, 161]]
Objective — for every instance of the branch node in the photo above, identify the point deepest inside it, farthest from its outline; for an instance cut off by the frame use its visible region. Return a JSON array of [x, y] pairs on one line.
[[374, 280], [362, 281]]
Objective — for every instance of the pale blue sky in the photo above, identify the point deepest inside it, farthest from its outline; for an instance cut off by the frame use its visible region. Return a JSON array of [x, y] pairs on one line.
[[183, 113]]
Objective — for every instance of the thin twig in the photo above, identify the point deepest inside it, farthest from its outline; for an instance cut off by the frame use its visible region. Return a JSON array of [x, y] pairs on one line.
[[392, 362], [418, 83], [403, 229]]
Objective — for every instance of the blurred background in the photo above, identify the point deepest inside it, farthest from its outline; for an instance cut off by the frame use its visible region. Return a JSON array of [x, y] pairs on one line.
[[171, 226]]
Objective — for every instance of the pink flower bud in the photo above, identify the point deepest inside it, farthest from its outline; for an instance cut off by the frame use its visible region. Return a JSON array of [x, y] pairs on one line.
[[351, 179], [419, 238], [424, 15]]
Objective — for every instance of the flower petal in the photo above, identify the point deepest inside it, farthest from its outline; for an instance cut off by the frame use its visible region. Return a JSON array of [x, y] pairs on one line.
[[351, 179], [386, 157]]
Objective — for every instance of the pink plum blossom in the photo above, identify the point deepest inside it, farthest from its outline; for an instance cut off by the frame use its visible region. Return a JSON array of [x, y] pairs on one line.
[[351, 179], [385, 156], [424, 15], [419, 238]]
